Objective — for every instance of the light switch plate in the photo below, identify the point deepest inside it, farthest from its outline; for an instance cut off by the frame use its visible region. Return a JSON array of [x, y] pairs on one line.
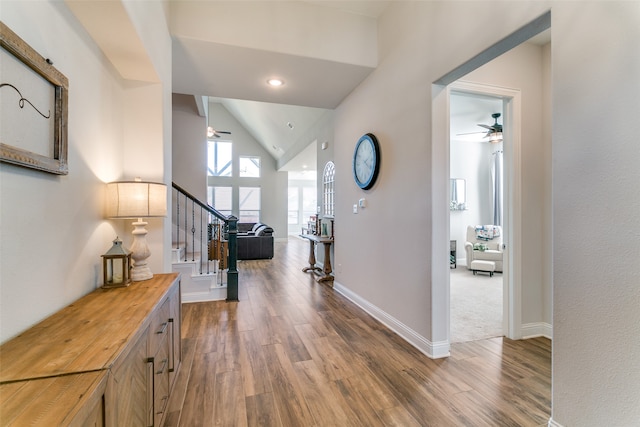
[[355, 208]]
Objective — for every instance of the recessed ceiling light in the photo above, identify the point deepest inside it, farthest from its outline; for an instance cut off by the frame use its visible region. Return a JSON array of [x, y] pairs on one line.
[[275, 82]]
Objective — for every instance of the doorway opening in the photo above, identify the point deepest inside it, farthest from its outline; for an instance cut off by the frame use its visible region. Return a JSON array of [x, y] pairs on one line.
[[476, 208], [440, 291]]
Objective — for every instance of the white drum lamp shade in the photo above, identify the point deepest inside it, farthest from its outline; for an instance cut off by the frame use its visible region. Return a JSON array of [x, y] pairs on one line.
[[137, 199]]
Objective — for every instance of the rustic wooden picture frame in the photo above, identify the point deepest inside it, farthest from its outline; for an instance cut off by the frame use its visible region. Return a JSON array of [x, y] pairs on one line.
[[56, 144]]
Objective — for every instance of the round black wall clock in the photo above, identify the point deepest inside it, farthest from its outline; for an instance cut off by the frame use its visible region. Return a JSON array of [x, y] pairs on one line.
[[366, 161]]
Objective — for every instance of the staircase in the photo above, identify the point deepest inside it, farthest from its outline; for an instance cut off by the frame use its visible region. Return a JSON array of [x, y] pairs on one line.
[[204, 249]]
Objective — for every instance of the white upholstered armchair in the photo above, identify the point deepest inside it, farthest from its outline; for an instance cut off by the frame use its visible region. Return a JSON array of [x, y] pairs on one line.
[[492, 241]]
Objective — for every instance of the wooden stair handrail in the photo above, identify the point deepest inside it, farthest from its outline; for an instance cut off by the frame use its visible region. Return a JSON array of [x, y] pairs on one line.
[[213, 211], [231, 223]]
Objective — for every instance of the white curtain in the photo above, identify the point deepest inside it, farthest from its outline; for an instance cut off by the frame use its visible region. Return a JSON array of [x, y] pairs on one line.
[[496, 187]]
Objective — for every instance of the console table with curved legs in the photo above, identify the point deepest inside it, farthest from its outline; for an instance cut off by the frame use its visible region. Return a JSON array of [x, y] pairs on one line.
[[325, 275]]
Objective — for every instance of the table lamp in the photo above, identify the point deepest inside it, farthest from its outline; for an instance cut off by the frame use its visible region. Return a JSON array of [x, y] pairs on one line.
[[137, 199]]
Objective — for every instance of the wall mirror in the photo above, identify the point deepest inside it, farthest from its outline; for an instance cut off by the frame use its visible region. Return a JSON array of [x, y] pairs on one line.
[[458, 195]]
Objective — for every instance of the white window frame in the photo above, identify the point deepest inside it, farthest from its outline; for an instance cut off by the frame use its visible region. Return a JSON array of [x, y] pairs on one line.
[[328, 189], [215, 146], [255, 160], [242, 217]]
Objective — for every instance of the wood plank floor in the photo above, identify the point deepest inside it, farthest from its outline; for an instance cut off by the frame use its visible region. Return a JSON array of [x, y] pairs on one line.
[[293, 352]]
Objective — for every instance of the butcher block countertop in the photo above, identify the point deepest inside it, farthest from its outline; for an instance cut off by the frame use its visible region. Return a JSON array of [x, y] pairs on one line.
[[86, 336]]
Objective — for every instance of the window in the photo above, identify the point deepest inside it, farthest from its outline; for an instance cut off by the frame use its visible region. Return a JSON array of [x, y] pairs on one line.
[[219, 158], [250, 167], [303, 193], [294, 211], [249, 204], [309, 195], [220, 198], [328, 192]]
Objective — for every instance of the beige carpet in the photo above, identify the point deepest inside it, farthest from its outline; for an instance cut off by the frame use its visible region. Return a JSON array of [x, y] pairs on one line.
[[476, 305]]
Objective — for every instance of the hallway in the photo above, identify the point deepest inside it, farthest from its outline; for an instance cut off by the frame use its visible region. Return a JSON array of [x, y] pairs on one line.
[[293, 352]]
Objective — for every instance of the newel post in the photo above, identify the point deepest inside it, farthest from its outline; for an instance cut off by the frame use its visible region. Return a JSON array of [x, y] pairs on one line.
[[232, 272]]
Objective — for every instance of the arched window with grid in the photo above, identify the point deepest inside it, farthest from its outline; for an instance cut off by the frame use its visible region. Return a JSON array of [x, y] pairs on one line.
[[328, 189]]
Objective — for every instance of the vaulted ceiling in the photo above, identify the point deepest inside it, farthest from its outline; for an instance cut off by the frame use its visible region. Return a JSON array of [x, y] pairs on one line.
[[228, 50]]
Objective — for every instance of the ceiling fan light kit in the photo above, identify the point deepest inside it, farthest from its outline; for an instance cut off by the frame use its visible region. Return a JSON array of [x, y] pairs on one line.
[[495, 137], [494, 131], [212, 133]]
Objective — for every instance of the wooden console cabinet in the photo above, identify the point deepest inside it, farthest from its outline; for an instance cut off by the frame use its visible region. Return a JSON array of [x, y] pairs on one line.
[[108, 359]]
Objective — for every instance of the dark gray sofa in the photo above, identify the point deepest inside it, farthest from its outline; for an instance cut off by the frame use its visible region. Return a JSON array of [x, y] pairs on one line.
[[255, 241]]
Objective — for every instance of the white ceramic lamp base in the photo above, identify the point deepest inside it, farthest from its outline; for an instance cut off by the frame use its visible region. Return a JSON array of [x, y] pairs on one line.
[[140, 252]]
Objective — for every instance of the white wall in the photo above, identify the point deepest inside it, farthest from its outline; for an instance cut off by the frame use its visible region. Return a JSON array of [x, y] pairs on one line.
[[53, 230], [189, 146], [547, 223], [53, 227], [596, 200], [147, 113], [287, 27]]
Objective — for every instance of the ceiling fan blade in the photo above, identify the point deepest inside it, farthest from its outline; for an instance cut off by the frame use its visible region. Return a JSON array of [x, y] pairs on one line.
[[485, 126], [211, 132], [469, 133]]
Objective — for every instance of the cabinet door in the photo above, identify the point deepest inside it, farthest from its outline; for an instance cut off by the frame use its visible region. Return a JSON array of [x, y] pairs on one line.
[[95, 417], [175, 338], [131, 380]]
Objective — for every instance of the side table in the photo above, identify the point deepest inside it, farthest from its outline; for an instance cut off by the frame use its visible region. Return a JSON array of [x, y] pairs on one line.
[[326, 271]]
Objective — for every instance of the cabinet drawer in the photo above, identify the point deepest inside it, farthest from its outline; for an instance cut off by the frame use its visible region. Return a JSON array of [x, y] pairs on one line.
[[159, 329], [160, 382]]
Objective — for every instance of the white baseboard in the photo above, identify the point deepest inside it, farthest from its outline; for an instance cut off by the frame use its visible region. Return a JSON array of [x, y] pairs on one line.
[[219, 293], [432, 350], [553, 423], [538, 329]]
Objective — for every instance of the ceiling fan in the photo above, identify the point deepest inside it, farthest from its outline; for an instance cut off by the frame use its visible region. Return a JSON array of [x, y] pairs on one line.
[[494, 131], [212, 133]]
